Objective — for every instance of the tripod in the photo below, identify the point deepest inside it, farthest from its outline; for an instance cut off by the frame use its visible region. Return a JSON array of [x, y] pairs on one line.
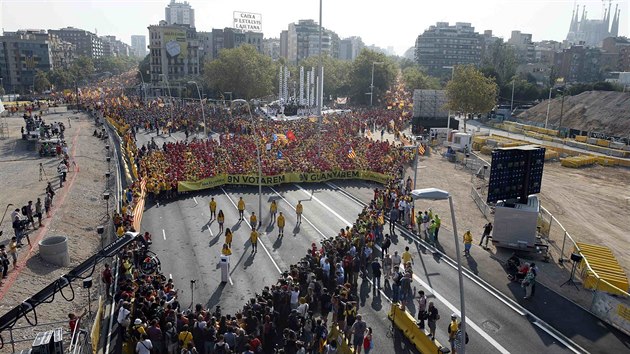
[[571, 281]]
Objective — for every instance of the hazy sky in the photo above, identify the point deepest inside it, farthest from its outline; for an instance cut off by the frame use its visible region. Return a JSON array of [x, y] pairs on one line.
[[394, 23]]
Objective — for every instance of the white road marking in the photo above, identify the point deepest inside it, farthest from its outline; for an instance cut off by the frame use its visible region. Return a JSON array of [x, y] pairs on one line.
[[250, 226], [484, 285], [325, 206], [303, 217], [472, 324], [164, 234], [195, 199], [170, 276]]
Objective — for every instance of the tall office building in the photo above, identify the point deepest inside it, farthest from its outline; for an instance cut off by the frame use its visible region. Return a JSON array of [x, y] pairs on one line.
[[350, 48], [113, 47], [24, 52], [180, 13], [303, 41], [88, 44], [443, 45], [139, 45]]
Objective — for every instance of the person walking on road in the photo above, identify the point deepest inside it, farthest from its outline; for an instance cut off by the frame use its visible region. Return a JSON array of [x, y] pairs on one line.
[[453, 328], [529, 281], [407, 257], [422, 308], [281, 223], [468, 239], [253, 238], [368, 341], [393, 218], [438, 223], [228, 237], [107, 279], [253, 220], [376, 274], [299, 208], [432, 317], [358, 332], [487, 229], [220, 220], [241, 209], [273, 209], [213, 209], [386, 244]]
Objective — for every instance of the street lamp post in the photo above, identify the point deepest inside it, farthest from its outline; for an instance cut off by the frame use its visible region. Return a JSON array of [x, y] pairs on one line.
[[448, 120], [548, 107], [438, 194], [203, 114], [251, 117], [561, 110], [170, 98], [372, 82]]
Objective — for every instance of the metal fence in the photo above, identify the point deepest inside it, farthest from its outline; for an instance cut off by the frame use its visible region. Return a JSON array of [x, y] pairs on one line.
[[561, 246], [485, 209]]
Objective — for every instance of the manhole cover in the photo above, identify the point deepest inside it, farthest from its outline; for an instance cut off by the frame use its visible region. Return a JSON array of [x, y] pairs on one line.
[[490, 326]]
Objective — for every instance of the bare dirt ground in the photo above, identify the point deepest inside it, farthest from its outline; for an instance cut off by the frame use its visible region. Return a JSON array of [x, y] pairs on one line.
[[77, 209], [596, 111], [593, 204]]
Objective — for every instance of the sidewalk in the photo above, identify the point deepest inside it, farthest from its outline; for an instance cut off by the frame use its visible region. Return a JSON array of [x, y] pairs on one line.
[[564, 308]]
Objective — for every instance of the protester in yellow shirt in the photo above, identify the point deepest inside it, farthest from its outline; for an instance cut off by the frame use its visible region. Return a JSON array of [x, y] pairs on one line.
[[253, 237], [241, 209], [213, 209], [406, 256], [299, 208], [226, 251], [272, 210], [228, 237], [468, 239], [185, 337], [220, 220], [253, 220], [281, 223]]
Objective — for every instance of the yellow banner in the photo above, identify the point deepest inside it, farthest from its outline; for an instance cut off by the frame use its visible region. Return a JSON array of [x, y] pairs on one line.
[[290, 177]]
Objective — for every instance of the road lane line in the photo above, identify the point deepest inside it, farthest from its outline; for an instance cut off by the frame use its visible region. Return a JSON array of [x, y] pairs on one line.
[[250, 226], [303, 217], [195, 199], [453, 308], [485, 286], [568, 343], [164, 234], [325, 206]]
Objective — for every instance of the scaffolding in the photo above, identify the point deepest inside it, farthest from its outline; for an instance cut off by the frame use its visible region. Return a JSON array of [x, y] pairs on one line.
[[429, 104]]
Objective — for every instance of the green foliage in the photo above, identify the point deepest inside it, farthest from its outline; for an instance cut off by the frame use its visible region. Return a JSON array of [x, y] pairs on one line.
[[144, 67], [361, 75], [336, 74], [61, 78], [82, 68], [417, 79], [41, 82], [243, 71], [470, 91], [114, 65], [502, 61]]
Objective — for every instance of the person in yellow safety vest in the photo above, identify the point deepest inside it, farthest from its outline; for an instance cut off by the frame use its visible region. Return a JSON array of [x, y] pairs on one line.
[[226, 251], [453, 328], [120, 231], [299, 208], [241, 209], [220, 220], [438, 223], [213, 209], [468, 239], [253, 221], [253, 237], [273, 209], [280, 225]]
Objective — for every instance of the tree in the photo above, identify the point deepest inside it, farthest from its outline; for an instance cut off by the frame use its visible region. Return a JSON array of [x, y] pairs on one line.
[[82, 68], [145, 68], [502, 60], [417, 79], [40, 82], [361, 75], [470, 91], [114, 65], [336, 73], [243, 71], [61, 79]]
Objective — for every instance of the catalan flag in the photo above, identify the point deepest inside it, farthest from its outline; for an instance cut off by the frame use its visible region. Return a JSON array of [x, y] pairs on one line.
[[421, 149], [351, 154]]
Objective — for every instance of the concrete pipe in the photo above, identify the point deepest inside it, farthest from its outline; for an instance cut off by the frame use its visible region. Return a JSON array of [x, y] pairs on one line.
[[54, 249]]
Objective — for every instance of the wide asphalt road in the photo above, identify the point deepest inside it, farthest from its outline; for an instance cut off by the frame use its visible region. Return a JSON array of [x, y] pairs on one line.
[[189, 247]]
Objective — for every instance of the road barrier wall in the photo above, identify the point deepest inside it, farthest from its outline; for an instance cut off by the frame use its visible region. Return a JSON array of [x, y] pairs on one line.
[[404, 321]]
